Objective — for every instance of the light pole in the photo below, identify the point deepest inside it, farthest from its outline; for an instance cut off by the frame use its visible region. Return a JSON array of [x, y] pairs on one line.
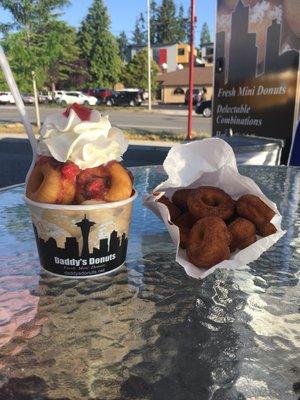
[[149, 58], [36, 101], [191, 71]]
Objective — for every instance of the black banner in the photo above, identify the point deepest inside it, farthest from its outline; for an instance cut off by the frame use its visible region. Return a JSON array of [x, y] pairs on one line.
[[257, 61]]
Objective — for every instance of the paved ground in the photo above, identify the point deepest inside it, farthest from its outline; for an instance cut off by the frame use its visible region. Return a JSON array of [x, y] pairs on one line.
[[15, 156], [171, 119]]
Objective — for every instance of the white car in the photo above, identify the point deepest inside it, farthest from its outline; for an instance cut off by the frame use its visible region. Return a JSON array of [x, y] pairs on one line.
[[6, 98], [57, 94], [76, 97], [45, 97]]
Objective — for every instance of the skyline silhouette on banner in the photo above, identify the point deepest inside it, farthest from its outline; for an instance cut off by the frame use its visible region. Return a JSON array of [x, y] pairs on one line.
[[113, 245], [263, 94], [242, 60]]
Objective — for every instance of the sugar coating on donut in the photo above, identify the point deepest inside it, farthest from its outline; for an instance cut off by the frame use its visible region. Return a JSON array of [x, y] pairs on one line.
[[254, 209], [208, 242], [180, 198], [208, 201], [243, 233], [121, 186]]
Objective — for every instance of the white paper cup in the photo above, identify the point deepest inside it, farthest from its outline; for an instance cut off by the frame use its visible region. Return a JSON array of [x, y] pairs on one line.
[[80, 241]]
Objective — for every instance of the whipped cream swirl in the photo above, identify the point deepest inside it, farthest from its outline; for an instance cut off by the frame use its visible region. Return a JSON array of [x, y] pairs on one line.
[[87, 143]]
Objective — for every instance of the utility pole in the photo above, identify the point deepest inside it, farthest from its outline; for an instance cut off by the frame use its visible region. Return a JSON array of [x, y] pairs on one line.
[[149, 58], [191, 71], [36, 101]]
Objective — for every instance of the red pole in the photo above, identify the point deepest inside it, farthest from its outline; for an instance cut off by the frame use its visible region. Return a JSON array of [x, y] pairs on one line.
[[191, 71]]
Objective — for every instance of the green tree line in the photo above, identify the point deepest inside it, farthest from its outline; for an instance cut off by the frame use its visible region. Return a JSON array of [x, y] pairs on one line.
[[37, 40]]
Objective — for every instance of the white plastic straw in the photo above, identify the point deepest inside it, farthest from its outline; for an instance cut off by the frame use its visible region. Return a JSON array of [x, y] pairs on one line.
[[18, 100]]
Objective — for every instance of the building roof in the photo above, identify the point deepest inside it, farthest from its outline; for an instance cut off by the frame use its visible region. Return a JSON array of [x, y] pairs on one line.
[[202, 76]]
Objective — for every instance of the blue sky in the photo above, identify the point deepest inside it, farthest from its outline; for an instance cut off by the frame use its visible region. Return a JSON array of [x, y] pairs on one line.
[[124, 12]]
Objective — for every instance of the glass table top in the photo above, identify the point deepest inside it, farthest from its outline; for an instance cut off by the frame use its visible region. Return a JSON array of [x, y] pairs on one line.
[[148, 331]]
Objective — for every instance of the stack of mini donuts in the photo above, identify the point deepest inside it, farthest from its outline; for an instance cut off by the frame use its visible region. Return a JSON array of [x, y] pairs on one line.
[[55, 182], [212, 224]]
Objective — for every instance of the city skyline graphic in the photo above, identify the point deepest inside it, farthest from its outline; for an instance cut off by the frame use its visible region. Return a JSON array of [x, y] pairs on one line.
[[115, 245], [242, 60], [267, 90]]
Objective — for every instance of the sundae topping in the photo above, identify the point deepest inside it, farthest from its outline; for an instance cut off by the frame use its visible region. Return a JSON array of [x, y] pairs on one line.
[[96, 188], [82, 136], [70, 171], [83, 113], [93, 183]]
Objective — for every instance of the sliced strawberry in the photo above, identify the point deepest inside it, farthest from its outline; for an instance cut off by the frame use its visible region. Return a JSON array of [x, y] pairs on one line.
[[96, 188], [83, 113], [70, 171]]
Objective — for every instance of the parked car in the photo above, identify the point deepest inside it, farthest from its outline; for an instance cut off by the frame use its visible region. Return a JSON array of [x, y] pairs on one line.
[[76, 97], [204, 108], [6, 98], [124, 98], [143, 93], [57, 94], [196, 96], [45, 97], [101, 94], [27, 98]]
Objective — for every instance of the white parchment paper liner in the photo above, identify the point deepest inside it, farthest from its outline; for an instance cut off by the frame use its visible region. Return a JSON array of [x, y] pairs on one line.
[[209, 162]]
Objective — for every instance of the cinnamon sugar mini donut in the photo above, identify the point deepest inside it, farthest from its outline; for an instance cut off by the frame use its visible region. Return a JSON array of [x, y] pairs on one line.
[[208, 242], [208, 201], [120, 182], [253, 208], [243, 233], [184, 222], [52, 182], [180, 197], [173, 210]]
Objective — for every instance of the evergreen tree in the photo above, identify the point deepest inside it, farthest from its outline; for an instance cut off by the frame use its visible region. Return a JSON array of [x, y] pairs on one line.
[[63, 52], [27, 15], [139, 37], [167, 22], [24, 59], [205, 35], [154, 15], [31, 46], [135, 73], [182, 25], [52, 55], [123, 45], [99, 47]]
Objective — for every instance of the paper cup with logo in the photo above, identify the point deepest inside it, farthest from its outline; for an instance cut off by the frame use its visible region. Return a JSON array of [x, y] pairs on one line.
[[81, 241]]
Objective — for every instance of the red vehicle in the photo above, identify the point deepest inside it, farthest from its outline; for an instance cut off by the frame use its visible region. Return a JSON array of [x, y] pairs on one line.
[[101, 94]]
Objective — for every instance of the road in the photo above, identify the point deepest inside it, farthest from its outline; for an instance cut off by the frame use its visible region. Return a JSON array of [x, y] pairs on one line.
[[127, 118]]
